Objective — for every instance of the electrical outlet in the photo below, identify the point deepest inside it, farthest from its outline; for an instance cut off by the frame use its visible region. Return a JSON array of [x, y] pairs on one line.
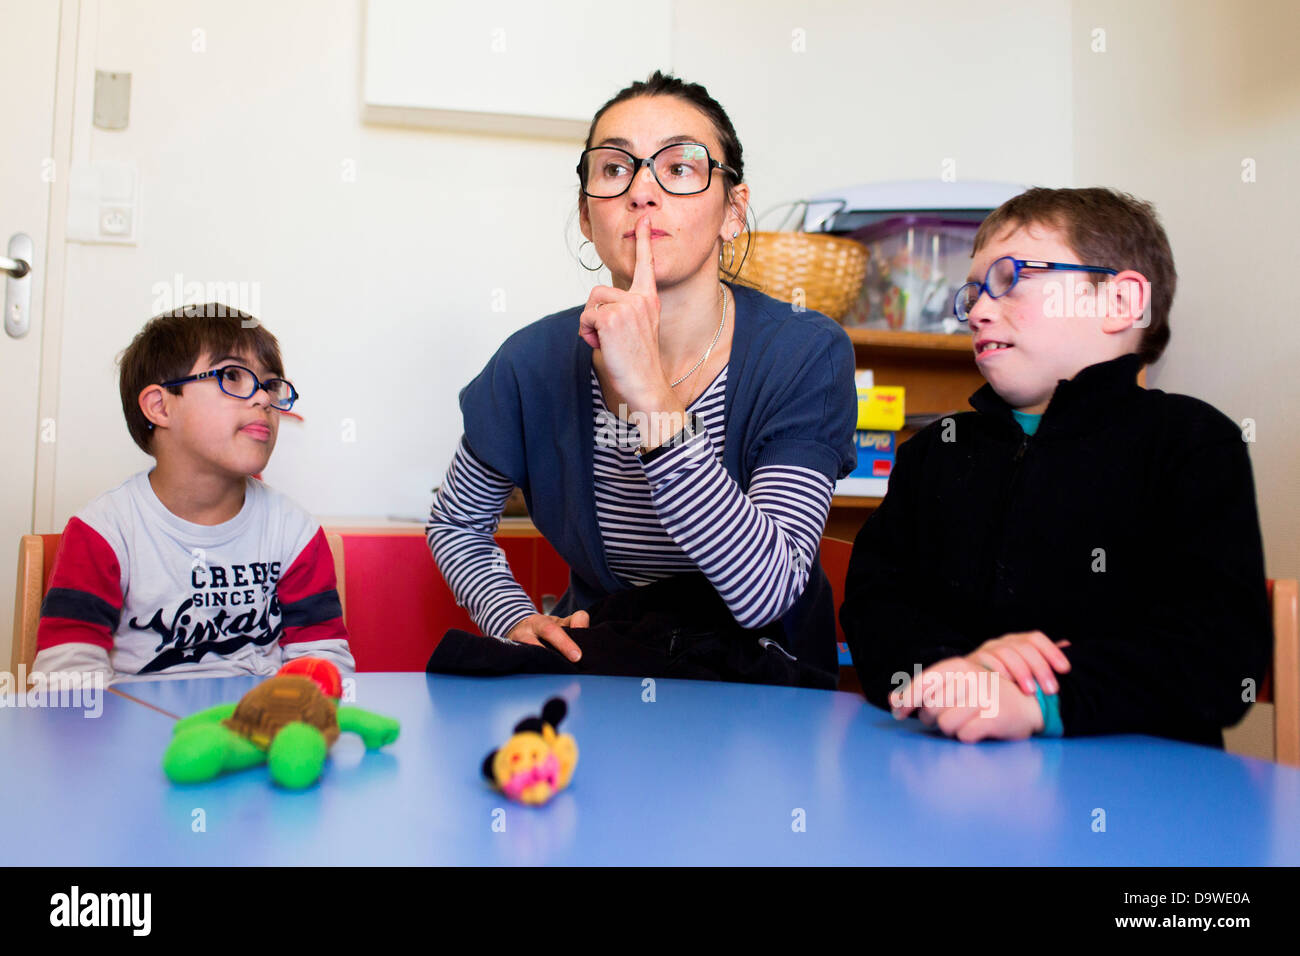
[[115, 221], [104, 203]]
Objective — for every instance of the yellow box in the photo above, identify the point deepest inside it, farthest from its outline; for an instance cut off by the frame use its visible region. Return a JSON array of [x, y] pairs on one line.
[[880, 409]]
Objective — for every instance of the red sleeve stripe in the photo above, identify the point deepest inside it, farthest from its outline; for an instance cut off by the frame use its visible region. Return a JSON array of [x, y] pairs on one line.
[[311, 572], [61, 630], [84, 601], [309, 597], [86, 562]]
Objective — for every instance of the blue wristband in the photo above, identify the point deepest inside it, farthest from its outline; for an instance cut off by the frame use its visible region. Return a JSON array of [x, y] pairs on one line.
[[1050, 707]]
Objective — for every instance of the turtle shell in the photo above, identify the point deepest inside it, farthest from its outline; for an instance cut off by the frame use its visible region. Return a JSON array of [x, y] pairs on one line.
[[264, 710]]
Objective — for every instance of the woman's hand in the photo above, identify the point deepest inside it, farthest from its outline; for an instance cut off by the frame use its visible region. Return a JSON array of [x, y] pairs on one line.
[[546, 627], [624, 326]]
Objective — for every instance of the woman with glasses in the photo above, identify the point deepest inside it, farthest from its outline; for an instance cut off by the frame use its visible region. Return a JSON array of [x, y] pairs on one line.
[[678, 424]]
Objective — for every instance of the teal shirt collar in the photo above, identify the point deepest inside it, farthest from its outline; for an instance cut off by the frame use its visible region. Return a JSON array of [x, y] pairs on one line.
[[1028, 421]]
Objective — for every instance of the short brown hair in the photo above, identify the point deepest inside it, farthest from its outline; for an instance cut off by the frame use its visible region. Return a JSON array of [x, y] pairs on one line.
[[1105, 227], [169, 345]]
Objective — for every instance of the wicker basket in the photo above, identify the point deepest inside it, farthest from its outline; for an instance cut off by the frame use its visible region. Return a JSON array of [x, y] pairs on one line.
[[828, 269]]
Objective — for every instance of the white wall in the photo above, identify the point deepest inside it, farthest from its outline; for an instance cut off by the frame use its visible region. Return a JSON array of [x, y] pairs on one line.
[[886, 89], [1187, 90], [381, 289]]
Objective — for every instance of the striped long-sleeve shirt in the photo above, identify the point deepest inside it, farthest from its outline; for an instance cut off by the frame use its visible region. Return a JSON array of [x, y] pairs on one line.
[[679, 512]]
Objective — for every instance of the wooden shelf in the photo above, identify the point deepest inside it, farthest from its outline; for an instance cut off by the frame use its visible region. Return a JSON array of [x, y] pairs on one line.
[[847, 515], [939, 374], [855, 501], [935, 343], [937, 370]]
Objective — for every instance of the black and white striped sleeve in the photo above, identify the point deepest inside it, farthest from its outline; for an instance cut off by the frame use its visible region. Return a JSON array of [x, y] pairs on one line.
[[464, 516], [757, 549]]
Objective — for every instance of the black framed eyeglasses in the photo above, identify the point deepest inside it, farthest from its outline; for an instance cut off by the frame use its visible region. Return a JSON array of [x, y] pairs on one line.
[[239, 382], [1003, 274], [682, 169]]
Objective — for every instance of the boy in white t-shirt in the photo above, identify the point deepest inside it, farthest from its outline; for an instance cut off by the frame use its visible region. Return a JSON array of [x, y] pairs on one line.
[[195, 568]]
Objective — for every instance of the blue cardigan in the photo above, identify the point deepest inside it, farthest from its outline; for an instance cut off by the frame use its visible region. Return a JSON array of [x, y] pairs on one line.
[[790, 400]]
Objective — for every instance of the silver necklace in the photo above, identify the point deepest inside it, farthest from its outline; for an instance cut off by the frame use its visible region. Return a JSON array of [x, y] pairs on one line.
[[707, 352]]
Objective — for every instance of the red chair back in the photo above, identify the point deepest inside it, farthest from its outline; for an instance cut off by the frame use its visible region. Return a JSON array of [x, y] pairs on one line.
[[399, 606]]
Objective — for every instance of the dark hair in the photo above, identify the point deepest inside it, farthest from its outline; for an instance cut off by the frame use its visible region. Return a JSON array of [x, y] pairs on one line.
[[665, 84], [169, 345], [1105, 227]]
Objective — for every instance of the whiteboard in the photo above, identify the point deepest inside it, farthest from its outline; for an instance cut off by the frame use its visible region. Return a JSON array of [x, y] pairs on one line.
[[507, 66]]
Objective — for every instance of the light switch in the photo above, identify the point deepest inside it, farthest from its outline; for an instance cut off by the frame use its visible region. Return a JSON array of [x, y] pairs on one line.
[[116, 182]]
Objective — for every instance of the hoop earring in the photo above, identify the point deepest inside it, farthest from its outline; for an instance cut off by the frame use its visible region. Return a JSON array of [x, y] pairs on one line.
[[727, 247], [598, 266]]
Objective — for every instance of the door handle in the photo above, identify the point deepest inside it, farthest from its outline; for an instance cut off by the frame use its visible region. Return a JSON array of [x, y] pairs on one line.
[[17, 267]]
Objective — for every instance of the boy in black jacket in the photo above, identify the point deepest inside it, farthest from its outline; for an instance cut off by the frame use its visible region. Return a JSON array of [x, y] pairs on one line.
[[1079, 555]]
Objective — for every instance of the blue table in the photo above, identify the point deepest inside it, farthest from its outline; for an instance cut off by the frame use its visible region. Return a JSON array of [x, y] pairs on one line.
[[707, 773]]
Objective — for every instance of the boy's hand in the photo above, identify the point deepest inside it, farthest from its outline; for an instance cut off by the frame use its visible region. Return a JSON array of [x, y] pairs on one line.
[[1007, 714], [1026, 657], [546, 627]]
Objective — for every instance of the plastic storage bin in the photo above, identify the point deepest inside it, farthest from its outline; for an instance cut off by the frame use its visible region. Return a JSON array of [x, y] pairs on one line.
[[916, 265]]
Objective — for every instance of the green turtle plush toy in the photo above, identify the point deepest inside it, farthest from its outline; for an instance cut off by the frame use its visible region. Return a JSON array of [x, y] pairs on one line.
[[288, 722]]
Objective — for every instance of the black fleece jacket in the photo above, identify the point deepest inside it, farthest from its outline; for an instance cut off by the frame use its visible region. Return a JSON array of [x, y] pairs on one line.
[[1126, 525]]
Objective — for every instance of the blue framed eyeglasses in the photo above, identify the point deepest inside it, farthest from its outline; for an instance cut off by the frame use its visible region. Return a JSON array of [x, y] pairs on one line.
[[1002, 276], [239, 382]]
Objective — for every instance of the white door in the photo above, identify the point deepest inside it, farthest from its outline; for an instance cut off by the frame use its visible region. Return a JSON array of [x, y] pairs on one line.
[[29, 34]]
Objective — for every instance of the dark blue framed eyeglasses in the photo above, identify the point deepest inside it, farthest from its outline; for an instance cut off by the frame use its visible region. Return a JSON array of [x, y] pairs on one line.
[[239, 382], [1002, 276]]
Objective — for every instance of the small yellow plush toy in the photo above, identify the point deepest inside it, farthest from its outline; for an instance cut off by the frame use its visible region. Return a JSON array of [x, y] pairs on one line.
[[537, 762]]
